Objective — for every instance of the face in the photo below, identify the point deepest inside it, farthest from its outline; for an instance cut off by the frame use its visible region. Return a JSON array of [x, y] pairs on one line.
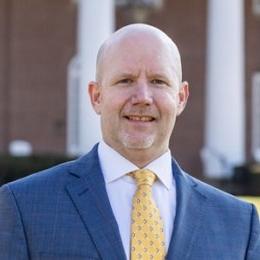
[[139, 95]]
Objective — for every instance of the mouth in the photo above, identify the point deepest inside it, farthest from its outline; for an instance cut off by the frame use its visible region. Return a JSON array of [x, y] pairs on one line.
[[136, 118]]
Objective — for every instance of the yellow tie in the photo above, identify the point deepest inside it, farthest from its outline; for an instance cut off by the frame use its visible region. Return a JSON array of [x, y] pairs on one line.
[[147, 237]]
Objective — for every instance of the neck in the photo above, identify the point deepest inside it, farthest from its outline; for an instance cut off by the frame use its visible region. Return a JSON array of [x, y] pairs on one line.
[[141, 157]]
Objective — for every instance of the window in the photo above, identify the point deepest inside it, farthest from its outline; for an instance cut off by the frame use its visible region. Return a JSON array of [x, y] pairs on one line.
[[73, 107], [256, 116], [256, 7]]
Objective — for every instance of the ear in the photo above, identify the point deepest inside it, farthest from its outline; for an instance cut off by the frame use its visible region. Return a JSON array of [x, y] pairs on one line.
[[94, 91], [183, 97]]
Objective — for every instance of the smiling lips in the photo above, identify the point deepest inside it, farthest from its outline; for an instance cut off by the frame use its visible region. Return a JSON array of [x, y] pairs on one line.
[[140, 118]]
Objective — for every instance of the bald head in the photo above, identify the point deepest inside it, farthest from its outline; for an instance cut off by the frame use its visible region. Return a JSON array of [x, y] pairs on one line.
[[138, 36]]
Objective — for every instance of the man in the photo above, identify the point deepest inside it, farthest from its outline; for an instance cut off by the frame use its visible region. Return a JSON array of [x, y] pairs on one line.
[[83, 209]]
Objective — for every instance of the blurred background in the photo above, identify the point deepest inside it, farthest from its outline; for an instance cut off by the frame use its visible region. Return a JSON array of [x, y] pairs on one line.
[[47, 57]]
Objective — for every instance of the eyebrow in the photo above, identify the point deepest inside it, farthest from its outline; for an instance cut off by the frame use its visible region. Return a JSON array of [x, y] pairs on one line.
[[159, 75], [127, 75]]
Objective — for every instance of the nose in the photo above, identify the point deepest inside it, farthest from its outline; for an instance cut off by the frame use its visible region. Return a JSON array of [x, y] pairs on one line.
[[142, 94]]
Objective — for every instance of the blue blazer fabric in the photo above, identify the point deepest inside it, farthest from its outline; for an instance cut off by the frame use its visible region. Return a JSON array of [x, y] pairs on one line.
[[64, 213]]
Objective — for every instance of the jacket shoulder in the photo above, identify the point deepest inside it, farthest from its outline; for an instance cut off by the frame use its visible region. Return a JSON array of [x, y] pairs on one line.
[[219, 198], [43, 180]]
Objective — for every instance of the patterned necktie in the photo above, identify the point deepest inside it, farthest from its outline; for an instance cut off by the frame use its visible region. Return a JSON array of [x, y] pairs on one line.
[[147, 237]]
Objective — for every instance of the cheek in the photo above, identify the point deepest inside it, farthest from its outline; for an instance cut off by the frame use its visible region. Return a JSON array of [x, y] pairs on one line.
[[167, 103], [110, 106], [113, 100]]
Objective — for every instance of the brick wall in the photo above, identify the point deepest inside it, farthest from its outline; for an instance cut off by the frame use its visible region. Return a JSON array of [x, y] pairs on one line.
[[252, 64], [42, 42], [3, 76]]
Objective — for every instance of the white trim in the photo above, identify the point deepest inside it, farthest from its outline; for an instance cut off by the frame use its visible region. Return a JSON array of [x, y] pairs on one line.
[[95, 24], [225, 121]]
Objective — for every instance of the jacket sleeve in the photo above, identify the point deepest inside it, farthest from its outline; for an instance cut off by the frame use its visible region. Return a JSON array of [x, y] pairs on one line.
[[253, 252], [13, 243]]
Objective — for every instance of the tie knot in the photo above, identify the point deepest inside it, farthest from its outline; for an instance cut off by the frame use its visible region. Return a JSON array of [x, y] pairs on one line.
[[143, 177]]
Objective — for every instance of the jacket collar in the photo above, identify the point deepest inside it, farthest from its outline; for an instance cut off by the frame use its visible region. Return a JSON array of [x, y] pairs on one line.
[[190, 213], [89, 196]]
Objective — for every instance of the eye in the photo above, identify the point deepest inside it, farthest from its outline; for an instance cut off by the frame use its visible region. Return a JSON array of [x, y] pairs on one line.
[[125, 81], [158, 82]]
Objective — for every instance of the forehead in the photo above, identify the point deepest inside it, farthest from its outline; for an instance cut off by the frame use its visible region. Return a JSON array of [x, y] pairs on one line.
[[141, 44], [139, 49]]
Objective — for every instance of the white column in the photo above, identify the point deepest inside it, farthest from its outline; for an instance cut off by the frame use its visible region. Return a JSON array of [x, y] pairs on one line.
[[95, 24], [225, 104]]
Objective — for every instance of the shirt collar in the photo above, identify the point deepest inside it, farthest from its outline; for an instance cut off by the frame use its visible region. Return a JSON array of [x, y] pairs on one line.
[[115, 166]]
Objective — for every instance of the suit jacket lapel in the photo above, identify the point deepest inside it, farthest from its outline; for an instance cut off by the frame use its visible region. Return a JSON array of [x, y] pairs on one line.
[[89, 196], [189, 216]]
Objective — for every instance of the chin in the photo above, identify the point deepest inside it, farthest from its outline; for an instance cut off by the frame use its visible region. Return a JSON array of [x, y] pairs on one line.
[[131, 142]]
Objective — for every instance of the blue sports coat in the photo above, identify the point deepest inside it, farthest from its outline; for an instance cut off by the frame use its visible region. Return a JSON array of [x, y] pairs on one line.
[[64, 213]]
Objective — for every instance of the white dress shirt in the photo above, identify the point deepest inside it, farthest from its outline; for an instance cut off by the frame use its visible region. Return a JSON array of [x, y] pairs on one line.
[[121, 188]]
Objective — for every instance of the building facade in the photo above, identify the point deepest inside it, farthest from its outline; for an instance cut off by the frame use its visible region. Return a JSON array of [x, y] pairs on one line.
[[38, 40]]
